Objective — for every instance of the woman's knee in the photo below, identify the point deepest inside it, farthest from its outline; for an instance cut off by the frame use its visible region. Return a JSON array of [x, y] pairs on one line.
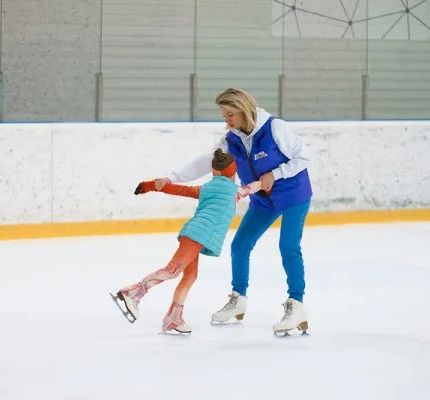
[[240, 245], [290, 246]]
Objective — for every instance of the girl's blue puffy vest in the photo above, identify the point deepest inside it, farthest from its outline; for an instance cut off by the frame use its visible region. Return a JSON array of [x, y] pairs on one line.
[[213, 216], [264, 157]]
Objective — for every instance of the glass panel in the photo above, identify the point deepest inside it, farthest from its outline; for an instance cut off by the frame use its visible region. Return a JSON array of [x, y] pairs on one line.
[[235, 47], [399, 59], [324, 59]]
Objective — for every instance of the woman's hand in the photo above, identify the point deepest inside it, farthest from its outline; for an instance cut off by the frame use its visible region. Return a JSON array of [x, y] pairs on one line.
[[267, 180], [161, 182]]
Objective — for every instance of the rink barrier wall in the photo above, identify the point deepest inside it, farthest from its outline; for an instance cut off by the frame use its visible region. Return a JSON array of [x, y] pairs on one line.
[[73, 179], [103, 228]]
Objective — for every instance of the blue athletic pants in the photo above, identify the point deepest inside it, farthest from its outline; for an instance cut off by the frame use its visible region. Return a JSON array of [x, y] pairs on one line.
[[252, 227]]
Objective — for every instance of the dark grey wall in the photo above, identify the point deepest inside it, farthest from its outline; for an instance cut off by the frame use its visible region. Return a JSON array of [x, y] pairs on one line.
[[50, 55], [147, 50]]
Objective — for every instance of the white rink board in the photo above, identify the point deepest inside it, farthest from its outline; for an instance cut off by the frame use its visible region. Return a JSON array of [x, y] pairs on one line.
[[88, 172]]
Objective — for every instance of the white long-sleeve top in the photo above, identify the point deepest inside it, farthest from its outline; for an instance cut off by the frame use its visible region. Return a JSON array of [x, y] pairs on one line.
[[289, 143]]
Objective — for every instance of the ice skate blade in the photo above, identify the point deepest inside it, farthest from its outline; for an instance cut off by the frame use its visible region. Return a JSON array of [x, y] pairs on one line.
[[302, 327], [226, 323], [127, 315], [184, 332], [174, 332], [283, 334], [237, 320]]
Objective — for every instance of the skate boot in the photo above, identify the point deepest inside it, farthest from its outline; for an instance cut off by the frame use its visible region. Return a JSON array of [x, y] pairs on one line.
[[235, 307], [294, 318], [131, 303], [131, 296], [174, 321]]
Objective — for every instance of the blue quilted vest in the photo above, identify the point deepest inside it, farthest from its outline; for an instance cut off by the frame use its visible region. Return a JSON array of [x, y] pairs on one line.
[[213, 216], [264, 157]]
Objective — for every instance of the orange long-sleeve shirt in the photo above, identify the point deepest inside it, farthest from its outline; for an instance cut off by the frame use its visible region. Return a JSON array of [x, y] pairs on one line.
[[171, 188], [194, 191]]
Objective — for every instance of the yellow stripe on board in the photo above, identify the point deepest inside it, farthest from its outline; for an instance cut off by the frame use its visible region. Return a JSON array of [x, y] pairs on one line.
[[99, 228]]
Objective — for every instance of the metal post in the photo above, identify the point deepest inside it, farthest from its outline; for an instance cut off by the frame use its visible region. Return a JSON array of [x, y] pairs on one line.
[[281, 88], [365, 75], [1, 96], [364, 88], [99, 97], [193, 90], [1, 65]]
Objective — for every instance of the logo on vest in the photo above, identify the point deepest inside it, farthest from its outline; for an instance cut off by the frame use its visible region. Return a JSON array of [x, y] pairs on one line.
[[259, 155]]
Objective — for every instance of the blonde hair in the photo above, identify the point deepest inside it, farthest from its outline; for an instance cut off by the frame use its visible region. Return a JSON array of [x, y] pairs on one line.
[[240, 100]]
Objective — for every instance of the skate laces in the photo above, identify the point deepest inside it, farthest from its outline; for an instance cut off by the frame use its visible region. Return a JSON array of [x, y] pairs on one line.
[[174, 317], [136, 292], [288, 309], [231, 303]]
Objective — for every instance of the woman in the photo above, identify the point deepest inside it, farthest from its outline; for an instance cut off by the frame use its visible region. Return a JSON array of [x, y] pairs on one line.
[[265, 149]]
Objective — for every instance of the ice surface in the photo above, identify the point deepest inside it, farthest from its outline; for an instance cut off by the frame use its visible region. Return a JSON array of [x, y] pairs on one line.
[[367, 297]]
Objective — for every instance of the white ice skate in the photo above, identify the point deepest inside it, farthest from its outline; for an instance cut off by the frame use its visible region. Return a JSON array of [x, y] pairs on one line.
[[183, 328], [235, 308], [294, 318], [131, 312], [173, 321]]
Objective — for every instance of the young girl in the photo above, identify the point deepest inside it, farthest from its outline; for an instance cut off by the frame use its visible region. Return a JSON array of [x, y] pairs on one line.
[[204, 234]]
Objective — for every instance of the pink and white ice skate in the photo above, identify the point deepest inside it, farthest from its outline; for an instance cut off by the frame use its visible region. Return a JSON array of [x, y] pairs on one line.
[[131, 296], [174, 321]]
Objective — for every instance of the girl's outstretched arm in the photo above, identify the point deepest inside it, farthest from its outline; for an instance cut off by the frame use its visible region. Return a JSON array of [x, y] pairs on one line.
[[169, 188]]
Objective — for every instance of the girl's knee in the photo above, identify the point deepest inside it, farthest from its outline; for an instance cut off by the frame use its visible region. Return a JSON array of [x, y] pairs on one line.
[[191, 275], [192, 278], [172, 270], [191, 272]]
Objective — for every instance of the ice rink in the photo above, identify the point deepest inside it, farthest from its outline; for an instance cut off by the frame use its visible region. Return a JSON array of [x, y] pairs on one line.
[[367, 298]]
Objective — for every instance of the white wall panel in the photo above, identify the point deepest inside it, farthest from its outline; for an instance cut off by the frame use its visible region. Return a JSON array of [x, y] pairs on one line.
[[88, 172]]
